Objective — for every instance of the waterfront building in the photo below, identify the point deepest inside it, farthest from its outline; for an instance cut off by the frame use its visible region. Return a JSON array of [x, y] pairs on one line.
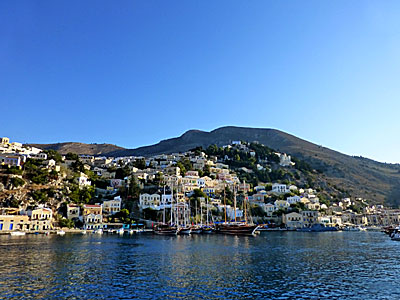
[[14, 222], [293, 220], [310, 217], [73, 211], [112, 206], [92, 216], [40, 218]]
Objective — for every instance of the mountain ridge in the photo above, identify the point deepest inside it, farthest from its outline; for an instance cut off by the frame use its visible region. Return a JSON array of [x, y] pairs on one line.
[[362, 177]]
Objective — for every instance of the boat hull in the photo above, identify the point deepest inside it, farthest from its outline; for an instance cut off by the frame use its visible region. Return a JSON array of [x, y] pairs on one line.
[[184, 231], [237, 229]]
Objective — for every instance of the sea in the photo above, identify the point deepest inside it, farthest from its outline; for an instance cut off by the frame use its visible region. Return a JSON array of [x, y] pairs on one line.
[[272, 265]]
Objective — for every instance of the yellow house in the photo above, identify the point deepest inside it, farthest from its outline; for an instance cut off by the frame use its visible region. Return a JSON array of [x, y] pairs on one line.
[[14, 222], [41, 218], [4, 141]]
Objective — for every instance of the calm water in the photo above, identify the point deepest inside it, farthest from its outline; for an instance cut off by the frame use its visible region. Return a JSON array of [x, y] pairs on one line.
[[283, 265]]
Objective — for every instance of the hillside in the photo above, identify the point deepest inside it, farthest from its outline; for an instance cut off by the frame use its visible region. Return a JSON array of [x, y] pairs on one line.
[[361, 177], [79, 148]]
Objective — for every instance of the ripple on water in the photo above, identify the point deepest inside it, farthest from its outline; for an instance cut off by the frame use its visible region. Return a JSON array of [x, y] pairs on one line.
[[278, 265]]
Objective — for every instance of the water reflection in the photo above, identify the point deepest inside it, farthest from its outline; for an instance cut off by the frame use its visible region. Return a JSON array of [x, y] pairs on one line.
[[287, 265]]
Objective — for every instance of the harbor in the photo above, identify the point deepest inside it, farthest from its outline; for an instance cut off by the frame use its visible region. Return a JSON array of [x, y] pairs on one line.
[[270, 265]]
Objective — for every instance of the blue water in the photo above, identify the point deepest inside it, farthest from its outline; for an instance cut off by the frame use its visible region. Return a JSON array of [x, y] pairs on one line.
[[273, 265]]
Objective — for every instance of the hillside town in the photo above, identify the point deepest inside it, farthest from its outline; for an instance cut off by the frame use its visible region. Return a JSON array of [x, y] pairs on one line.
[[41, 191]]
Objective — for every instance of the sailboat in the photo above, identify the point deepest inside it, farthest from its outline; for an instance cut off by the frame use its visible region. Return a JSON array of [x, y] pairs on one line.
[[183, 210], [163, 228], [237, 228]]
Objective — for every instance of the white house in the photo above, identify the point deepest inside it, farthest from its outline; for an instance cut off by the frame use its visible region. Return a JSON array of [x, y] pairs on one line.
[[83, 180], [279, 188], [149, 201], [293, 199], [201, 182], [73, 211], [281, 204]]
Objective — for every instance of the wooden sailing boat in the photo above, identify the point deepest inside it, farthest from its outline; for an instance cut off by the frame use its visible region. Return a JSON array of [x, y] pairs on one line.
[[163, 228], [237, 228], [183, 208]]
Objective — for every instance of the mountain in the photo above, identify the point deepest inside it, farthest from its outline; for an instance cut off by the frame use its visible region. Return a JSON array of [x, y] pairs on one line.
[[79, 148], [361, 177]]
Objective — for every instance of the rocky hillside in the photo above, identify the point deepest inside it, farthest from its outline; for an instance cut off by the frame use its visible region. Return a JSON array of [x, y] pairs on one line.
[[361, 177], [80, 148]]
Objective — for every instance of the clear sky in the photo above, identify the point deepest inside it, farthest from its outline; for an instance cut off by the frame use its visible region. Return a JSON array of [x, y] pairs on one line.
[[134, 72]]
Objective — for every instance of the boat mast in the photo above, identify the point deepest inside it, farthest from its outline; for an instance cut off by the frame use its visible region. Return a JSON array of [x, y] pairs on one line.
[[201, 213], [207, 210], [234, 200], [164, 206], [244, 203], [172, 201], [225, 202]]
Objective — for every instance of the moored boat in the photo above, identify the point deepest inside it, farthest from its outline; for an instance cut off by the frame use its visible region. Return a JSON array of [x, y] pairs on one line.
[[17, 233], [164, 229], [207, 230], [98, 231], [196, 230], [236, 229], [61, 232], [318, 228], [184, 231]]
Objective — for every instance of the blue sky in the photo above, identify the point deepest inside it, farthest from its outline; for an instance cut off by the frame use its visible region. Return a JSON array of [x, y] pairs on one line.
[[132, 73]]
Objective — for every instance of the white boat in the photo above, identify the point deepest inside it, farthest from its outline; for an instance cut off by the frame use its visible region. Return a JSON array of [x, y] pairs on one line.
[[83, 232], [17, 233], [395, 236], [120, 231], [98, 231], [61, 232]]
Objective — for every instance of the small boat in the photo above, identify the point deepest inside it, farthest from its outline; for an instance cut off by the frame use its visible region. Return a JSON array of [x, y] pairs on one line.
[[47, 233], [196, 230], [17, 233], [131, 231], [184, 231], [83, 232], [164, 229], [207, 230], [395, 236], [98, 231], [61, 232], [120, 231]]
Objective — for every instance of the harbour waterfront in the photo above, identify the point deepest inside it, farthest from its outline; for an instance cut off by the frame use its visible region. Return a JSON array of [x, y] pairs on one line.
[[282, 265]]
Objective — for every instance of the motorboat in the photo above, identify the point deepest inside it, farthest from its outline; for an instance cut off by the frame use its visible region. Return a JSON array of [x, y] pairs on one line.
[[61, 232], [17, 233]]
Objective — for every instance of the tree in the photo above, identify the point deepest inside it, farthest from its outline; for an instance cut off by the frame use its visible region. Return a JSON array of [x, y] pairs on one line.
[[72, 156], [140, 163], [53, 154], [62, 222]]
